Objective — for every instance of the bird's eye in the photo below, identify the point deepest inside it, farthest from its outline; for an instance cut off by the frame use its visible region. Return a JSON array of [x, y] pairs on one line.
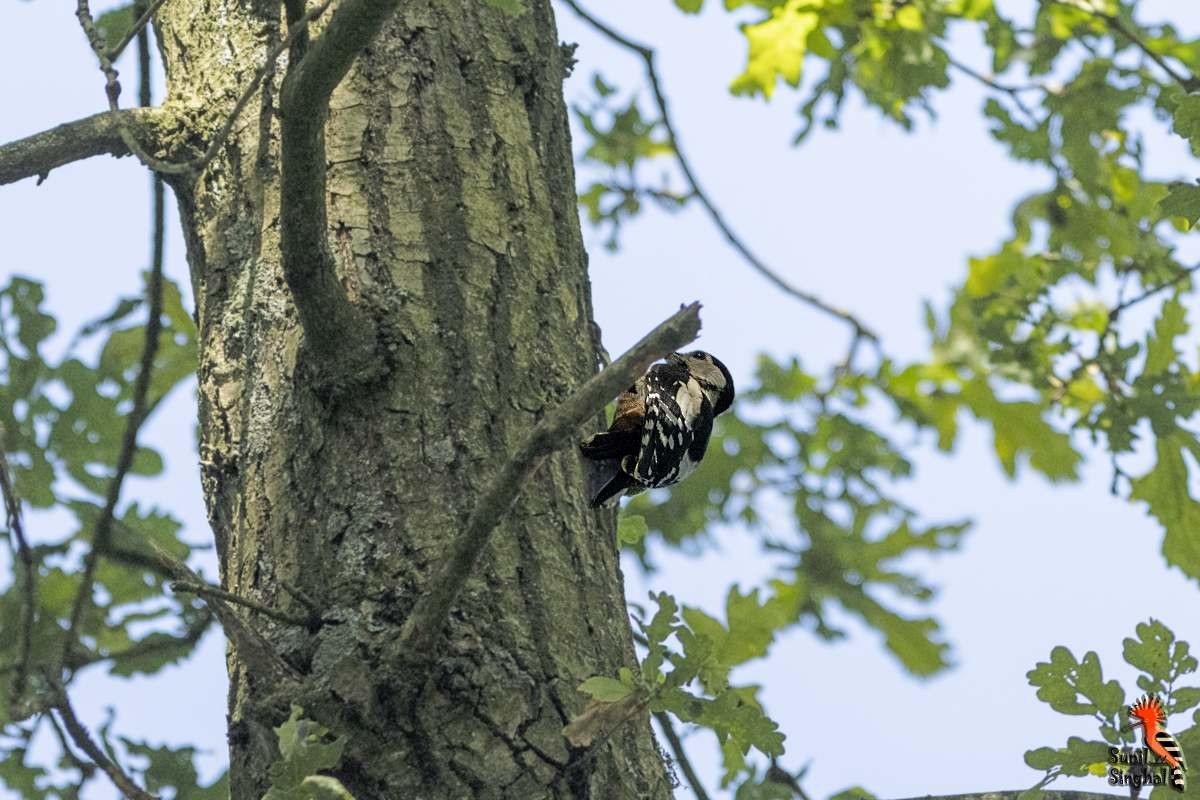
[[698, 354]]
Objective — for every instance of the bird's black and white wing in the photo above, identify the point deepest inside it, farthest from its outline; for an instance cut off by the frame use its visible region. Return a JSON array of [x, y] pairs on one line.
[[675, 430]]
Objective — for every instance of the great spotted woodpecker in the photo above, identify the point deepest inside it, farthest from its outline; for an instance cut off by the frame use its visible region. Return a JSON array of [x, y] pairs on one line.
[[661, 427]]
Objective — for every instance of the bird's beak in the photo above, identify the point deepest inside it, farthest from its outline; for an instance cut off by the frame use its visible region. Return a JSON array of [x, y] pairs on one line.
[[676, 358]]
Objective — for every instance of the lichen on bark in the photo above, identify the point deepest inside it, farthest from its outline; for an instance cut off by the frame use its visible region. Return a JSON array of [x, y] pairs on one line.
[[452, 220]]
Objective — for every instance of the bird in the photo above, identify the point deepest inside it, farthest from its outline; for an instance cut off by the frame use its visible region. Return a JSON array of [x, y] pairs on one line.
[[1149, 713], [661, 427]]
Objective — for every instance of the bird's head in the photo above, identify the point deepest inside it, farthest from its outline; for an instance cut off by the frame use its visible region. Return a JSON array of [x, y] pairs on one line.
[[711, 374]]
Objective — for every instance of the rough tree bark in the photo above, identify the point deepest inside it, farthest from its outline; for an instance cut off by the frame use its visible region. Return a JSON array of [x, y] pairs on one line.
[[453, 222]]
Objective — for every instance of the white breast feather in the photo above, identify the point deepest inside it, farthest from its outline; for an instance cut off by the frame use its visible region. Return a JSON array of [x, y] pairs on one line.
[[688, 398]]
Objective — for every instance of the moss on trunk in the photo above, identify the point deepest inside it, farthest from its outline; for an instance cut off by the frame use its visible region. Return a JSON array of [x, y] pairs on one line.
[[452, 217]]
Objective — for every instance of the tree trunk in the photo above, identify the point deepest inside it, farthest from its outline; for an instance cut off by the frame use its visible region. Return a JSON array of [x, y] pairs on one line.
[[452, 217]]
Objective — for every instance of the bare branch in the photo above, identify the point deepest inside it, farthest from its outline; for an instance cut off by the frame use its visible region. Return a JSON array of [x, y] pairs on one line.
[[12, 510], [96, 135], [85, 767], [137, 416], [1189, 82], [138, 28], [216, 592], [420, 633], [313, 607], [250, 644], [84, 741], [1013, 92], [341, 334], [680, 755], [1183, 275], [735, 241]]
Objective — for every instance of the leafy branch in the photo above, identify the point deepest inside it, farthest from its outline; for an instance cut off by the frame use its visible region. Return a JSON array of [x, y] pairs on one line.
[[16, 527], [137, 417], [647, 55], [1189, 82]]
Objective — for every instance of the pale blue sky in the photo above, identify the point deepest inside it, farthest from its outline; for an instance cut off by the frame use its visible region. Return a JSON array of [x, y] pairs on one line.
[[868, 217]]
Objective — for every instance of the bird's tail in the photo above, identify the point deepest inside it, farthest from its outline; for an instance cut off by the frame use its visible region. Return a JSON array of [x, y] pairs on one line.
[[606, 482], [1178, 782]]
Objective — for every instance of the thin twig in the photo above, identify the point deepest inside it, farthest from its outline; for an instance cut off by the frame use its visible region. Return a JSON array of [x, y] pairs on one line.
[[735, 241], [138, 28], [680, 755], [216, 592], [12, 510], [419, 636], [779, 775], [137, 416], [249, 643], [1188, 82], [112, 90], [313, 607], [84, 741], [1012, 91], [1153, 290]]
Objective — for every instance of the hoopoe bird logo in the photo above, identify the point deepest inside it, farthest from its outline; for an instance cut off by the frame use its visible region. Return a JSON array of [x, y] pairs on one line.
[[1147, 711]]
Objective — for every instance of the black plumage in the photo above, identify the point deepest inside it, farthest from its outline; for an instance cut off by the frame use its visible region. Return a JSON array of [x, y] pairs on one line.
[[662, 426]]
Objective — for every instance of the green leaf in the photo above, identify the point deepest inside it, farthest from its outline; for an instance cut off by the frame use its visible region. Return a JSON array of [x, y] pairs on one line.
[[1165, 490], [631, 529], [1182, 201], [1019, 429], [1080, 757], [737, 720], [663, 622], [174, 769], [912, 640], [1160, 346], [1164, 660], [606, 689], [1076, 687], [853, 793], [776, 48], [115, 23], [305, 750], [324, 787], [689, 6]]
